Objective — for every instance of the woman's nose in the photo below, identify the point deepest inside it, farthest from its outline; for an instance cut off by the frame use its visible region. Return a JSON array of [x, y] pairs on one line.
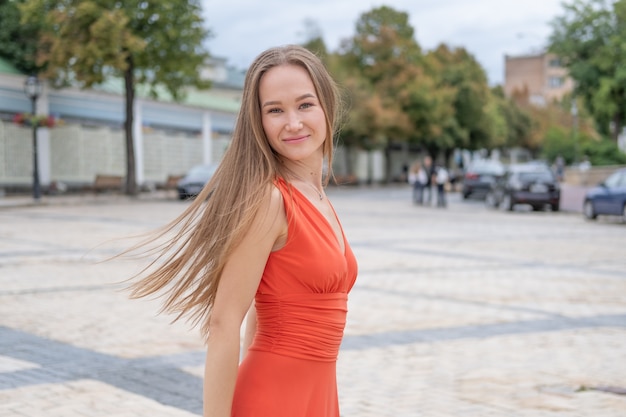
[[294, 122]]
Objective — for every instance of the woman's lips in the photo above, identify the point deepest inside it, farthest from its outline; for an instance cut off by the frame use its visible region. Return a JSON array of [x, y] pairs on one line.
[[296, 139]]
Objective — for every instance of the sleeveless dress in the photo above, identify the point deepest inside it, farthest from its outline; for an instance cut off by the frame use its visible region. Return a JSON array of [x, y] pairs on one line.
[[301, 304]]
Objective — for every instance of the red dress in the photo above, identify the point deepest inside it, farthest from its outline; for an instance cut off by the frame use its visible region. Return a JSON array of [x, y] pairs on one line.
[[301, 304]]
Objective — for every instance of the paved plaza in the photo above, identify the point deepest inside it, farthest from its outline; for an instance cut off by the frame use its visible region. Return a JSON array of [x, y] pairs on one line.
[[462, 311]]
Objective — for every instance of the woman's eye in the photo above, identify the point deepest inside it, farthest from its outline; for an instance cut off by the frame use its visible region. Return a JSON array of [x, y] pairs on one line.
[[306, 105], [274, 110]]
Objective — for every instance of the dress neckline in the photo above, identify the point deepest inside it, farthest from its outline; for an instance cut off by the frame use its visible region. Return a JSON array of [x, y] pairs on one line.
[[329, 226]]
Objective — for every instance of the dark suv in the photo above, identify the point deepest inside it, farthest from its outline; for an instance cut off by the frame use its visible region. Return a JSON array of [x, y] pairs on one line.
[[530, 183], [480, 176]]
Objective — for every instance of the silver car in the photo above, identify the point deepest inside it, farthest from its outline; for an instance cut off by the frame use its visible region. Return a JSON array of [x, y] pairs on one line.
[[191, 184]]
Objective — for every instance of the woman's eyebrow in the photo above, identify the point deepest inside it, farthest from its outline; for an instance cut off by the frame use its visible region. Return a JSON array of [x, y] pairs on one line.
[[271, 103], [304, 96], [277, 102]]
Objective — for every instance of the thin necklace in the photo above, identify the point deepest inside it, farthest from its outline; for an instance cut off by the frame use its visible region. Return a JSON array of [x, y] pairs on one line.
[[316, 190], [320, 195]]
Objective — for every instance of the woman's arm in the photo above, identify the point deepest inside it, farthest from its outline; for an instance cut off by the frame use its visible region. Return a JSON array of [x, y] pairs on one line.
[[238, 284], [250, 330]]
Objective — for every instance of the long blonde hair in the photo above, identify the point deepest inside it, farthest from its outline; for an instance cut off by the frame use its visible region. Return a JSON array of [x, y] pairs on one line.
[[188, 266]]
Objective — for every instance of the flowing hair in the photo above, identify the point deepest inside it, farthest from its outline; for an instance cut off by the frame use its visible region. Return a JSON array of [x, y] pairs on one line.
[[195, 246]]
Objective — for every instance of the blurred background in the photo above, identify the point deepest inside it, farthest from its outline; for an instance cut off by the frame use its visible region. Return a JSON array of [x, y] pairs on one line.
[[133, 95]]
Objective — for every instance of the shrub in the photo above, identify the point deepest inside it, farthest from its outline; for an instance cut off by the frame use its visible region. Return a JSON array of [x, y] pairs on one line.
[[603, 152]]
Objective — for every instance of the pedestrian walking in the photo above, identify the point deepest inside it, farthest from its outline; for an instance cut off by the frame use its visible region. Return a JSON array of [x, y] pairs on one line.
[[429, 170], [559, 168], [262, 240], [418, 179], [441, 179]]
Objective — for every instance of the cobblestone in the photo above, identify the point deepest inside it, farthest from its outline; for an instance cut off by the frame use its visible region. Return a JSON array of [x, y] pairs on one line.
[[461, 311]]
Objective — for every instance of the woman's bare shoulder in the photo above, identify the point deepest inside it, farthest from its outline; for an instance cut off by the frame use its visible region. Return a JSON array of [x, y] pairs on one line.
[[277, 216]]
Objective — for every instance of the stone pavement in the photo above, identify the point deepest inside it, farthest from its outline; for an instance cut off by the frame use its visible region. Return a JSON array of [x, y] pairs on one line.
[[462, 311]]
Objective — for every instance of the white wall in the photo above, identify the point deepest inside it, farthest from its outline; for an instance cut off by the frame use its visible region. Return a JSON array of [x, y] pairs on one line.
[[78, 153]]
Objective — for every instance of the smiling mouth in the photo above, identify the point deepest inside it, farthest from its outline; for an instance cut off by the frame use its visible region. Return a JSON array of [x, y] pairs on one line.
[[296, 139]]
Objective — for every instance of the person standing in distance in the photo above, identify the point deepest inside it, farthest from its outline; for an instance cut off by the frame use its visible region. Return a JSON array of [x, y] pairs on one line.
[[262, 240], [429, 168]]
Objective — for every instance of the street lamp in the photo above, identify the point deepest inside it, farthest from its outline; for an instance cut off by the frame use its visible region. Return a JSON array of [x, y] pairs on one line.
[[32, 89], [574, 112]]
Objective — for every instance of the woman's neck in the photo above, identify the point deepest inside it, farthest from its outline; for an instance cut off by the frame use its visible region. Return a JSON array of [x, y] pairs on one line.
[[305, 172]]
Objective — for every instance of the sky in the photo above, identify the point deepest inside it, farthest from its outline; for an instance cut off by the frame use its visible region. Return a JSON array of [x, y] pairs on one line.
[[488, 29]]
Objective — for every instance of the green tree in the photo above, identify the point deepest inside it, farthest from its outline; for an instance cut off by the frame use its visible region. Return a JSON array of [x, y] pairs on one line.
[[590, 38], [458, 70], [379, 61], [498, 128], [603, 152], [18, 42], [368, 120], [517, 122], [156, 44], [429, 106], [383, 46]]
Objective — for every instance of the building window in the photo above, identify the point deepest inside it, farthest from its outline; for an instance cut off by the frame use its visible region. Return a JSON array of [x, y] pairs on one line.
[[555, 63], [537, 100], [556, 82]]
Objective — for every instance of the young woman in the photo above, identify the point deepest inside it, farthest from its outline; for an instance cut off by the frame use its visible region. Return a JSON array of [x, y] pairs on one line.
[[262, 239]]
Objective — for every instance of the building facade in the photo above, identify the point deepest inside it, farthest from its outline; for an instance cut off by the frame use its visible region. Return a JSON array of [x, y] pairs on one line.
[[541, 76], [170, 137]]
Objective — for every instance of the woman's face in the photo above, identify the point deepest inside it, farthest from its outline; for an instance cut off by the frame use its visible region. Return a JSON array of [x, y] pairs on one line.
[[291, 113]]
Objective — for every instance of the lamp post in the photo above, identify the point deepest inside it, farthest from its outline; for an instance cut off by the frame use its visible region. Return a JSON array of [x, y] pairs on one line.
[[574, 112], [32, 89]]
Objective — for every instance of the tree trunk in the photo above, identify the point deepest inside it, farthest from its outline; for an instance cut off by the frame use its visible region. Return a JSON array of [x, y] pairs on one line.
[[131, 180]]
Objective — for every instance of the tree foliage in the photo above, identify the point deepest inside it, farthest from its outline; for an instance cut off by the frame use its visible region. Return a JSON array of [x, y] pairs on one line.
[[379, 62], [18, 42], [430, 108], [439, 100], [87, 42], [511, 123], [156, 44], [590, 38], [457, 70], [383, 46], [372, 117], [603, 152]]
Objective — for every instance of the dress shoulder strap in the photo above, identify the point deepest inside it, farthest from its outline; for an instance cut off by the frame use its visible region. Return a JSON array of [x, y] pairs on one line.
[[286, 190]]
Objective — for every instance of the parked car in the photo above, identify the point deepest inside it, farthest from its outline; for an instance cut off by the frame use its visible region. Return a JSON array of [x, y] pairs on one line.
[[480, 176], [192, 183], [530, 183], [608, 198]]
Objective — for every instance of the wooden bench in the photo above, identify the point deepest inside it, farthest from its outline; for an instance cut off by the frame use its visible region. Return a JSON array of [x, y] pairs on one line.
[[105, 183], [344, 180], [172, 181]]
